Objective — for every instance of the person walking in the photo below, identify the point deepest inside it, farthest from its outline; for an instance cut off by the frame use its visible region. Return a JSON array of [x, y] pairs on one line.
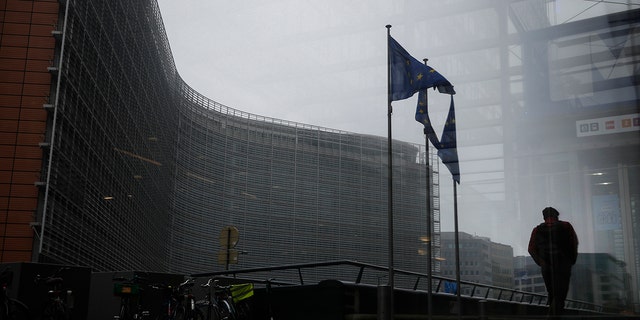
[[554, 247]]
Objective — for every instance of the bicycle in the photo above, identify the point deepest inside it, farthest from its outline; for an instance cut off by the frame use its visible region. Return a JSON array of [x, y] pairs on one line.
[[185, 303], [10, 309], [215, 309], [226, 302], [170, 297], [129, 291], [59, 301], [174, 300]]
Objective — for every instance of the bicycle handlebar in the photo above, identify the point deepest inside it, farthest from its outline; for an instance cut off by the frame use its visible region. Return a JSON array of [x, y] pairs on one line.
[[209, 284], [187, 283]]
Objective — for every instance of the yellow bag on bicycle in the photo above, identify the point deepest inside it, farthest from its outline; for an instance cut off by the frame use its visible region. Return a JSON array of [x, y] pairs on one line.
[[240, 292]]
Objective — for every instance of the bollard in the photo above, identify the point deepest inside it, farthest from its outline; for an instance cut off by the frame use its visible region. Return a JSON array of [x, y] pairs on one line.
[[384, 292], [482, 309]]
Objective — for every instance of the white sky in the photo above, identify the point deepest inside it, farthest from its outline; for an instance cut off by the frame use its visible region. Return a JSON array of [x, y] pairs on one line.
[[324, 63], [295, 60]]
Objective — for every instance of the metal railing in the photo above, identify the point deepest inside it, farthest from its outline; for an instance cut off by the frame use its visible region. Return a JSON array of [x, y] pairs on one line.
[[441, 284]]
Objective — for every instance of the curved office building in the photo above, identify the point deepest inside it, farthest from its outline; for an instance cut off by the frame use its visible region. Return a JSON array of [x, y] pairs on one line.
[[129, 168], [297, 193]]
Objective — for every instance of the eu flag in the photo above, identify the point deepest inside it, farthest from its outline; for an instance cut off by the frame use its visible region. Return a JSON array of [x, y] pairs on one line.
[[448, 146], [422, 116], [408, 75]]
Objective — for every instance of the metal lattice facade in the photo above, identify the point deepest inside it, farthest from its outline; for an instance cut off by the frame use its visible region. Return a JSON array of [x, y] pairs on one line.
[[141, 172], [108, 171], [297, 193]]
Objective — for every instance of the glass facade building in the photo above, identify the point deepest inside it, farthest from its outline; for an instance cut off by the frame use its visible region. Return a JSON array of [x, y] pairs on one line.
[[297, 193], [138, 171]]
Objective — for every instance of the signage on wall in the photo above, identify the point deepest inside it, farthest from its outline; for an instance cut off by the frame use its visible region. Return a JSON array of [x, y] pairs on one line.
[[608, 125], [606, 212]]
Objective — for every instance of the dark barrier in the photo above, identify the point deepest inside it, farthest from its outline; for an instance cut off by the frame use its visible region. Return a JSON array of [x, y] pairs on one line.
[[104, 303], [24, 286], [332, 299], [91, 296]]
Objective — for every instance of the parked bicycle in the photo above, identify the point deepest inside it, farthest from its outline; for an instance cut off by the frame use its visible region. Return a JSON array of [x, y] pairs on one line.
[[170, 300], [10, 309], [59, 302], [130, 291], [212, 307], [226, 302], [185, 303]]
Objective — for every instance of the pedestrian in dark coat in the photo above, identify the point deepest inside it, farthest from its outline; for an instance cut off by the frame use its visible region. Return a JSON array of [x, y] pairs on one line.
[[554, 247]]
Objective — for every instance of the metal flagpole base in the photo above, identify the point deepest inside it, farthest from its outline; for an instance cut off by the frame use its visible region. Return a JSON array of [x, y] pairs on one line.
[[384, 299]]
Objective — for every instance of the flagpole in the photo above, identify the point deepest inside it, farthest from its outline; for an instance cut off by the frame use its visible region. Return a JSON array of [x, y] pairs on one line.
[[389, 301], [429, 215], [457, 245]]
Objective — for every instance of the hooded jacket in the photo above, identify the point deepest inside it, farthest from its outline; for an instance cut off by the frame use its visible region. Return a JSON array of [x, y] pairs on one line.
[[554, 243]]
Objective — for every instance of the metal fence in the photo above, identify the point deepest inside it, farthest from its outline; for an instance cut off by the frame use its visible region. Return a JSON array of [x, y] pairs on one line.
[[441, 285]]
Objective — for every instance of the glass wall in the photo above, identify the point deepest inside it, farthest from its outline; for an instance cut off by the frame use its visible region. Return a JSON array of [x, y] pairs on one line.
[[108, 164], [296, 193]]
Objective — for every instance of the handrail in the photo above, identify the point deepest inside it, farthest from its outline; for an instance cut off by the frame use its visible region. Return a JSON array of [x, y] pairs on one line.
[[499, 293]]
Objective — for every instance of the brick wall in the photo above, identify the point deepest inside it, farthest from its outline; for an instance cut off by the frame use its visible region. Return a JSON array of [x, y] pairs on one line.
[[26, 50]]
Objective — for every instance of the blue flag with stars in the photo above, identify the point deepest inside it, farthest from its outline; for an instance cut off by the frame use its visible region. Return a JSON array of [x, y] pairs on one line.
[[407, 75], [422, 116], [448, 146]]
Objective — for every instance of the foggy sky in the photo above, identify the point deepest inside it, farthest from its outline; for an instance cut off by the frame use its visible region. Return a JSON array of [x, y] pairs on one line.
[[324, 63]]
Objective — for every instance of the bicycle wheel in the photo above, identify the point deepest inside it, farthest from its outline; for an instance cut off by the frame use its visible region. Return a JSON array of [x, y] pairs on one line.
[[226, 311], [179, 313], [123, 315], [214, 313]]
